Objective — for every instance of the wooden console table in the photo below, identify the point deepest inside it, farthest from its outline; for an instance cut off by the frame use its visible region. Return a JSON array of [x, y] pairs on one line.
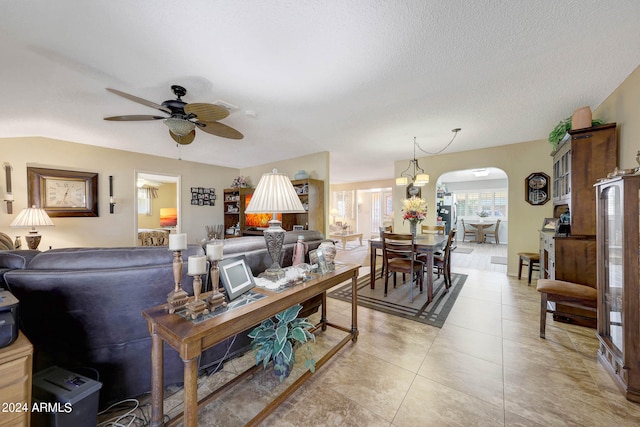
[[190, 339]]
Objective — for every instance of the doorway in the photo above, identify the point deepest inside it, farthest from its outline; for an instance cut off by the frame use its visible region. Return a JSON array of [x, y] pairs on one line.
[[158, 202], [479, 197]]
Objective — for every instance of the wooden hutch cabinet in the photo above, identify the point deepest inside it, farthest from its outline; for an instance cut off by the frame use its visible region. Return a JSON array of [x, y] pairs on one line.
[[311, 194], [583, 157], [618, 242]]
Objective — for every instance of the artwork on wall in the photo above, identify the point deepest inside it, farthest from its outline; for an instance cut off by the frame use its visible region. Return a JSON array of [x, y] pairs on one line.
[[201, 196]]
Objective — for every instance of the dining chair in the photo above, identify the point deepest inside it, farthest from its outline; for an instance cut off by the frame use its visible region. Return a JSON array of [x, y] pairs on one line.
[[432, 229], [383, 229], [493, 232], [399, 256], [470, 230], [442, 261]]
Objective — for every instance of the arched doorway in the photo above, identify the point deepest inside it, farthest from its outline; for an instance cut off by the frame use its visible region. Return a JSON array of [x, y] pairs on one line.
[[479, 198]]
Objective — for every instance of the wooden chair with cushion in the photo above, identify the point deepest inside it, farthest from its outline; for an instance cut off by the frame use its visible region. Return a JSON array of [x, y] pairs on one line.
[[442, 261], [468, 230], [432, 229], [388, 229], [567, 293], [533, 262], [399, 256], [493, 232]]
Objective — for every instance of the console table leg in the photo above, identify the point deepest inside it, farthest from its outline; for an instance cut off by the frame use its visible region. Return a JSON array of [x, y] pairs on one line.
[[157, 380], [191, 392], [324, 311]]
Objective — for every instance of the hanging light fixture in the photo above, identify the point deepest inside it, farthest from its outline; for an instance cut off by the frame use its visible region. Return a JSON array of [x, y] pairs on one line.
[[419, 177]]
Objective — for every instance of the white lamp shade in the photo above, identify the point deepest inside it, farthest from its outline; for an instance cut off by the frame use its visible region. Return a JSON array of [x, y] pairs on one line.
[[275, 194], [421, 179], [31, 218], [403, 180]]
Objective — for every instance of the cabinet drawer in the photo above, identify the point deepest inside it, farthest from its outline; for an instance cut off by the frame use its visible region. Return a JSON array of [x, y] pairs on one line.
[[14, 371]]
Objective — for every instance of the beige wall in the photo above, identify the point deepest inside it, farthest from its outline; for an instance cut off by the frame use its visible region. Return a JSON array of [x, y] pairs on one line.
[[623, 108], [518, 161], [119, 229]]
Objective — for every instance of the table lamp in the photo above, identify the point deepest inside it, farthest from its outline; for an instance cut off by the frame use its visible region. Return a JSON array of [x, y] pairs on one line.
[[31, 218], [275, 194]]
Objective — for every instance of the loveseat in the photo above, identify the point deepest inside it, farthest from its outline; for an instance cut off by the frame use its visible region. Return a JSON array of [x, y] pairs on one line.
[[81, 309]]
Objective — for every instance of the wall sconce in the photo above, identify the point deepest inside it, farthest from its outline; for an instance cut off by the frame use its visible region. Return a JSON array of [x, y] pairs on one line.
[[112, 201], [8, 197]]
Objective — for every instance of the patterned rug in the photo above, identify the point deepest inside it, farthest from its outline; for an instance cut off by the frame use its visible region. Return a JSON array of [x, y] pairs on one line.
[[397, 300]]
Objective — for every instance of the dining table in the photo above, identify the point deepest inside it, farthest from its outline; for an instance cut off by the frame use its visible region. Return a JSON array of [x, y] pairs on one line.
[[480, 226], [426, 244]]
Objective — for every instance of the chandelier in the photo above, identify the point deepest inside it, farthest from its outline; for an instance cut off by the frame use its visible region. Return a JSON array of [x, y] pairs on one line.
[[419, 177]]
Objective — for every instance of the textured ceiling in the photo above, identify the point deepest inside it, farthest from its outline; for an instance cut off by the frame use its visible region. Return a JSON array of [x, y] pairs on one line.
[[357, 78]]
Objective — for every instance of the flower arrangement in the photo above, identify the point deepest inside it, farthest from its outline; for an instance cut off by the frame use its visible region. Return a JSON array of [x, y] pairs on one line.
[[239, 182], [415, 210]]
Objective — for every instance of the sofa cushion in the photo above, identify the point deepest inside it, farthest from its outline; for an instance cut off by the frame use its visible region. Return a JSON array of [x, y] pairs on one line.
[[16, 259], [105, 258]]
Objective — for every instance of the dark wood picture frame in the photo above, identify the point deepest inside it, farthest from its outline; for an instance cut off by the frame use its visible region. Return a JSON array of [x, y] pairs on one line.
[[537, 189], [86, 184]]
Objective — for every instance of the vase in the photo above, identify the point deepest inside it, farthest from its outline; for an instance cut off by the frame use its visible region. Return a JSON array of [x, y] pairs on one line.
[[413, 226], [329, 251], [581, 118]]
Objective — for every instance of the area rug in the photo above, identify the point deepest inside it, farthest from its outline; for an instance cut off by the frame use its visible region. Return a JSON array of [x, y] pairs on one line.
[[499, 260], [460, 250], [397, 300]]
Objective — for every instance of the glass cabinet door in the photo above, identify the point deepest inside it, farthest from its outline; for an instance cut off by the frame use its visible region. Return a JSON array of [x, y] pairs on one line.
[[613, 262]]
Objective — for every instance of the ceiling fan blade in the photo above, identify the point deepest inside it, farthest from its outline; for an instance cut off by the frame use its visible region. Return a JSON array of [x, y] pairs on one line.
[[140, 100], [218, 129], [134, 118], [184, 139], [206, 112]]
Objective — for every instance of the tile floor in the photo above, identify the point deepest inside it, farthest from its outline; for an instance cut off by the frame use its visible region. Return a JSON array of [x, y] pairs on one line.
[[487, 367]]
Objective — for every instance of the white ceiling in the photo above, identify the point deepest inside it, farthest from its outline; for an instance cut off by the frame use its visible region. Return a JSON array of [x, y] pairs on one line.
[[357, 78]]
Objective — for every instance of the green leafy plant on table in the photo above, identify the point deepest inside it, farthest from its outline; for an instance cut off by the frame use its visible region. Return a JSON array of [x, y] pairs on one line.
[[563, 127], [275, 340]]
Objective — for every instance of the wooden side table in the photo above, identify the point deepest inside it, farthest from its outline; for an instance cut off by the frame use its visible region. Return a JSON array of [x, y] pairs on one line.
[[16, 363]]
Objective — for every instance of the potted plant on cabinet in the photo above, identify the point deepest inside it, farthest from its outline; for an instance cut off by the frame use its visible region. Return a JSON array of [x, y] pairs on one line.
[[563, 127], [275, 339]]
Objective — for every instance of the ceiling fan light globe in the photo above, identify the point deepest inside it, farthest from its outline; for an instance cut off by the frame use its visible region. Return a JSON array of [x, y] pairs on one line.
[[179, 127]]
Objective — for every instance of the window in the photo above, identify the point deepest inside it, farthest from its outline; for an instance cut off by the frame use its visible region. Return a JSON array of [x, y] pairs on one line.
[[144, 201], [482, 203]]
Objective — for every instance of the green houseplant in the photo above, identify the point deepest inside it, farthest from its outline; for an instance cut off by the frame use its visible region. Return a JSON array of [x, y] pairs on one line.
[[275, 339], [563, 127]]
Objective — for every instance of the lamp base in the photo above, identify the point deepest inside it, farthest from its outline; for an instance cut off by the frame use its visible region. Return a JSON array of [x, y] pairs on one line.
[[274, 238], [33, 240]]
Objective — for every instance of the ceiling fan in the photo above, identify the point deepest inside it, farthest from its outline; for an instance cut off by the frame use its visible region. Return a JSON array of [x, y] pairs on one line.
[[183, 118]]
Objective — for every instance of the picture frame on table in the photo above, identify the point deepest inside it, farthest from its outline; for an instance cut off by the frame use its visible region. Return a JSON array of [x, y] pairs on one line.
[[298, 227], [236, 276]]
